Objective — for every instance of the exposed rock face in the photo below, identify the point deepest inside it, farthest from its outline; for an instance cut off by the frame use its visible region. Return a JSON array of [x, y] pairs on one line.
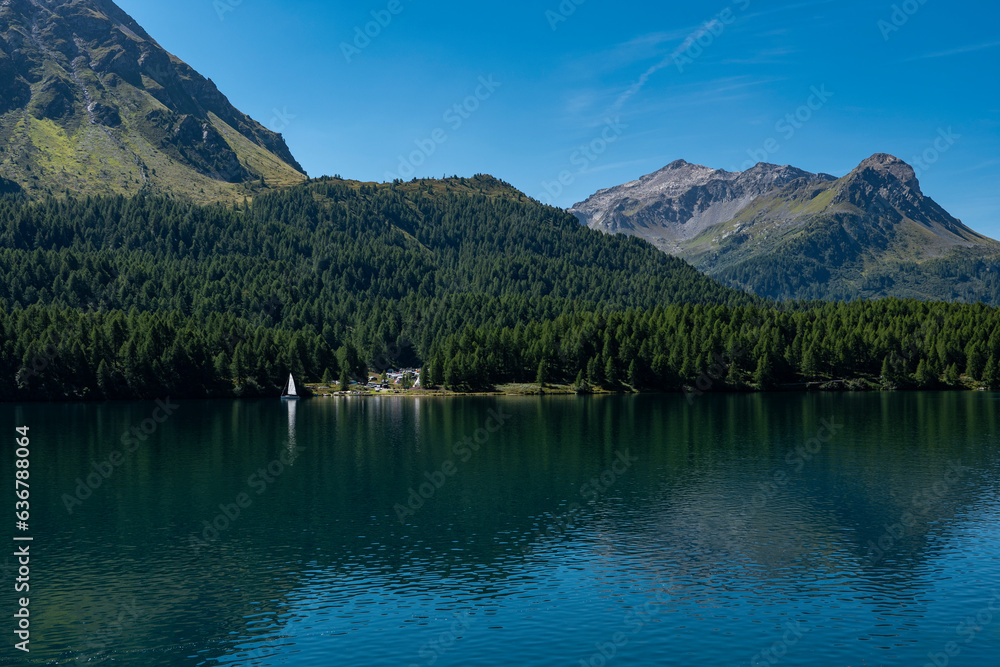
[[117, 98], [680, 201], [784, 232]]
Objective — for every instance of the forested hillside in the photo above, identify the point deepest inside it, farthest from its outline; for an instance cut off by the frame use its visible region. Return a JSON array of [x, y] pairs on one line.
[[331, 266], [860, 345]]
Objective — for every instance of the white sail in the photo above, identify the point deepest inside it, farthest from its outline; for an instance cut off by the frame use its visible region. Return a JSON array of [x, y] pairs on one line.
[[291, 386]]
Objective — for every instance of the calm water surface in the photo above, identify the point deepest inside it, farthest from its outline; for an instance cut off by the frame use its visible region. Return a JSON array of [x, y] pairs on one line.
[[783, 529]]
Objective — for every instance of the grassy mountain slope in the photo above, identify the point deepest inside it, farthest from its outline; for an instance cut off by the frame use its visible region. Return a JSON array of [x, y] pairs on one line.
[[869, 234], [94, 105], [786, 234]]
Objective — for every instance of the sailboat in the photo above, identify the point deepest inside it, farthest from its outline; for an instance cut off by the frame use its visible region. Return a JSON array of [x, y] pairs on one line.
[[289, 392]]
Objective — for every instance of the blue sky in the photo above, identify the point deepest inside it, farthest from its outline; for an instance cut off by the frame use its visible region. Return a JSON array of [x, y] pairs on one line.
[[561, 99]]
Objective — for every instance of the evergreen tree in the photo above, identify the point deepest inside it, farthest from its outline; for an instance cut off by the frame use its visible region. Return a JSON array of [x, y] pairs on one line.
[[452, 375], [437, 371], [733, 378], [105, 381], [923, 376], [611, 375], [595, 373], [887, 374], [345, 380], [543, 373], [634, 376], [763, 376], [991, 374], [976, 362]]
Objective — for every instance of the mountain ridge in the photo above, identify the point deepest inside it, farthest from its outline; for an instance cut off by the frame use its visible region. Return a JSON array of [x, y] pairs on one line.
[[842, 233], [97, 106]]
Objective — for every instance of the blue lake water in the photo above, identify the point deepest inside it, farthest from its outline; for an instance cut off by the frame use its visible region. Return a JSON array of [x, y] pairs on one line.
[[792, 529]]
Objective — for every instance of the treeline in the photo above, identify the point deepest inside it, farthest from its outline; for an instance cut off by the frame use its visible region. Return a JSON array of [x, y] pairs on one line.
[[124, 298], [371, 266], [888, 344], [52, 353]]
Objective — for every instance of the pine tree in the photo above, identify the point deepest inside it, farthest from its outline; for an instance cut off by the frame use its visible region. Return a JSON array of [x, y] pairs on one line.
[[543, 373], [437, 371], [976, 362], [345, 380], [887, 374], [594, 372], [634, 376], [951, 376], [733, 379], [451, 374], [611, 373], [763, 377], [105, 381], [991, 374], [923, 376]]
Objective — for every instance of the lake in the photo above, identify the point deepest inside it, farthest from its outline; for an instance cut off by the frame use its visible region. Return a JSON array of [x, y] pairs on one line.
[[792, 529]]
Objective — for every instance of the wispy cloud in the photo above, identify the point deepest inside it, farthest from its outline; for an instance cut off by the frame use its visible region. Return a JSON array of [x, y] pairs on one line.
[[763, 57], [628, 53], [954, 52], [977, 167]]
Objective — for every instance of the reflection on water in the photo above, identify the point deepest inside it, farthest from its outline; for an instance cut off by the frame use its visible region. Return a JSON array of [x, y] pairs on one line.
[[800, 529]]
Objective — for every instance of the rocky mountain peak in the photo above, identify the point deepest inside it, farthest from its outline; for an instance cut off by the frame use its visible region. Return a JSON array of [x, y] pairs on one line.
[[884, 167], [680, 200]]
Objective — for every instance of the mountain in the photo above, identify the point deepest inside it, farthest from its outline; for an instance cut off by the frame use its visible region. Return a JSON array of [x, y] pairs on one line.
[[92, 104], [782, 232], [680, 201], [386, 270]]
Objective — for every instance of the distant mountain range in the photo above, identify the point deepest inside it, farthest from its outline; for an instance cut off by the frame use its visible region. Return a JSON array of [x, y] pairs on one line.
[[92, 104], [782, 232]]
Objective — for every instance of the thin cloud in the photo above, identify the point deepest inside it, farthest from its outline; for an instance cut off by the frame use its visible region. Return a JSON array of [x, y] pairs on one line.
[[763, 57], [640, 83], [954, 52]]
